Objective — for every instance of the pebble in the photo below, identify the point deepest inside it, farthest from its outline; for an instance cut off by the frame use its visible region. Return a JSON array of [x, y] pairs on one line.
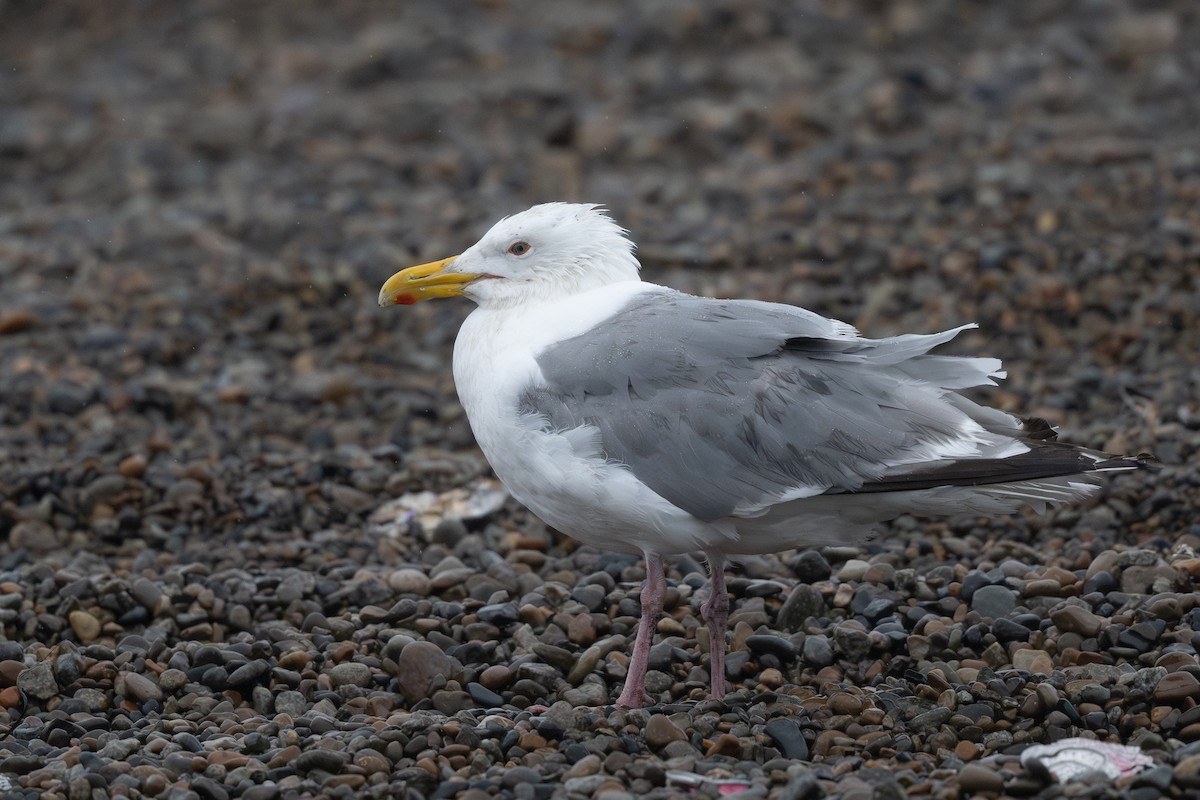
[[1075, 619], [976, 778], [1035, 661], [141, 687], [418, 665], [86, 626], [993, 602], [660, 731], [786, 735], [1177, 687]]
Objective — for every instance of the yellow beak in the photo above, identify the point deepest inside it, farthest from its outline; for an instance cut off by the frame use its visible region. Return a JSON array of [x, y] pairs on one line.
[[424, 282]]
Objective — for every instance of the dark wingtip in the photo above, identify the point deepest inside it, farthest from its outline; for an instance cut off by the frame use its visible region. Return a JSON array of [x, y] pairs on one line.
[[1148, 461], [1038, 429], [1144, 461]]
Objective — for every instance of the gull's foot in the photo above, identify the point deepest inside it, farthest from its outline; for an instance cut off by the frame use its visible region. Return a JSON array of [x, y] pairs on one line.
[[719, 688]]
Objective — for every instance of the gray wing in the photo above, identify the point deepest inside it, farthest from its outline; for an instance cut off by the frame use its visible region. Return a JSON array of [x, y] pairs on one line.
[[726, 407]]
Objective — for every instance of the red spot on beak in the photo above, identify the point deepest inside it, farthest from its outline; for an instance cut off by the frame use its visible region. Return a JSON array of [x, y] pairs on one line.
[[405, 299]]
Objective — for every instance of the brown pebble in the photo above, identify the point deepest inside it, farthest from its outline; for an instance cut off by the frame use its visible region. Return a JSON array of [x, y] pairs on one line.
[[588, 765], [229, 759], [660, 731], [132, 466], [845, 703], [1076, 619], [873, 716], [531, 740], [232, 393], [966, 751], [371, 762], [10, 697], [978, 778], [140, 687], [1187, 772], [9, 670], [770, 678], [16, 321], [1035, 661], [1177, 686], [582, 629], [726, 745], [417, 667], [410, 581], [86, 627], [295, 660], [284, 757], [496, 677]]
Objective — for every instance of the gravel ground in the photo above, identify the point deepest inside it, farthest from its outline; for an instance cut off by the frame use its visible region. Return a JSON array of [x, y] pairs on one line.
[[251, 551]]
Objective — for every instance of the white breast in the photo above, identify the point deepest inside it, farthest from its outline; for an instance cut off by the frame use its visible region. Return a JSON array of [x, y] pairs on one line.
[[562, 476]]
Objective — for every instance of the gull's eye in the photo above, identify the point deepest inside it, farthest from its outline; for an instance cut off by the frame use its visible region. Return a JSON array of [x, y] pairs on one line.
[[518, 248]]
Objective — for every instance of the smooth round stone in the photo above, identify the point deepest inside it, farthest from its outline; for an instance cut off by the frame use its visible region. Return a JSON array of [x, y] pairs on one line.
[[496, 677], [140, 687], [416, 667], [1187, 772], [660, 730], [291, 703], [410, 581], [86, 627], [1035, 661], [350, 673], [588, 765], [853, 570], [845, 703], [976, 778], [1075, 619], [993, 602]]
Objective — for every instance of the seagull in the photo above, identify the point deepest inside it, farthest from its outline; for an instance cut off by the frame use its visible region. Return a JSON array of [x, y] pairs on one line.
[[633, 417]]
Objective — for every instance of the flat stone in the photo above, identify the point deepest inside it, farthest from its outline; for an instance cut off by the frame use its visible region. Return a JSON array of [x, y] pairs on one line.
[[1177, 686], [1076, 619], [660, 730], [975, 778]]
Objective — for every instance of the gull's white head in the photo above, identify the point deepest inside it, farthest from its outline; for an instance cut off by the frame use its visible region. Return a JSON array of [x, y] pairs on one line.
[[550, 251]]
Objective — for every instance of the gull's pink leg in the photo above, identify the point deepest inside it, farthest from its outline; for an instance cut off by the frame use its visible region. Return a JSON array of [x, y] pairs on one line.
[[716, 615], [654, 591]]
